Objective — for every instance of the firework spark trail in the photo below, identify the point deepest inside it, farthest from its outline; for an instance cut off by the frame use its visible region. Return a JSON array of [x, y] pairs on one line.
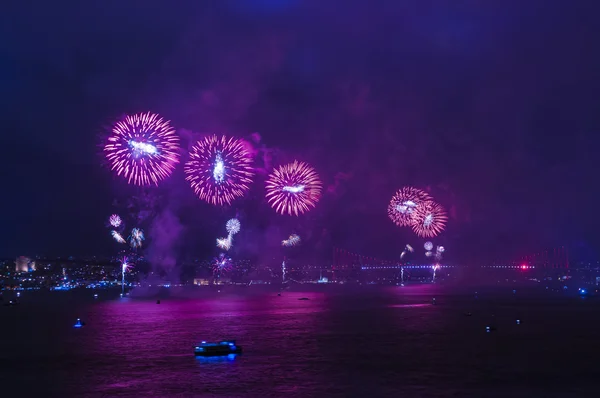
[[115, 221], [408, 248], [220, 169], [143, 148], [136, 238], [117, 237], [233, 226], [293, 240], [225, 243], [435, 268], [438, 252], [125, 266], [429, 220], [404, 203], [293, 188]]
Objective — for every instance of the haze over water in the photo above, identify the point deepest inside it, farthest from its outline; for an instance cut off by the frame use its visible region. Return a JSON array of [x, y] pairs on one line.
[[374, 342]]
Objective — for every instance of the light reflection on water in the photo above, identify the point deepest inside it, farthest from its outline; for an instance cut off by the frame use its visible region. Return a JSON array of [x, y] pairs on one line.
[[381, 342], [408, 305]]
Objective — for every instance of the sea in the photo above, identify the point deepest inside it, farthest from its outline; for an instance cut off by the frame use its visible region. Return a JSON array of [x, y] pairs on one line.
[[413, 341]]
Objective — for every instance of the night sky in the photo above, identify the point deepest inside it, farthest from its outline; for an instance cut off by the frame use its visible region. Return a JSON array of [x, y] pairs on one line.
[[491, 106]]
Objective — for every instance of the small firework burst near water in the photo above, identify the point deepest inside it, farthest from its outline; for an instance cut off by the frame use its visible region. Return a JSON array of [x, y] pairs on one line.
[[220, 169], [429, 220], [115, 221], [221, 264], [117, 237], [428, 246], [404, 203], [233, 226], [143, 148], [293, 188], [125, 266], [136, 238], [293, 240]]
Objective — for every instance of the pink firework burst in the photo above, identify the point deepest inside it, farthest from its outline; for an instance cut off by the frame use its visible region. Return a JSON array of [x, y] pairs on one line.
[[221, 264], [220, 169], [115, 221], [293, 188], [429, 219], [143, 148], [404, 203]]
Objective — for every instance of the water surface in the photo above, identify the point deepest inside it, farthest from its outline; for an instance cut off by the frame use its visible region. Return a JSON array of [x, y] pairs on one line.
[[376, 342]]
